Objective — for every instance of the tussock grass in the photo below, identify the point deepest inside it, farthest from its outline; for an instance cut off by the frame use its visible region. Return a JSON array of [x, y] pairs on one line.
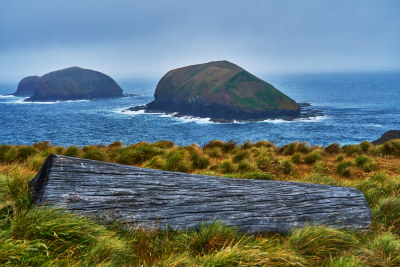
[[53, 237]]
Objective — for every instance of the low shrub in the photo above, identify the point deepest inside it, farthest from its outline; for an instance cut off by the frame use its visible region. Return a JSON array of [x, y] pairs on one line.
[[138, 154], [303, 148], [164, 144], [227, 166], [312, 157], [352, 150], [333, 149], [24, 152], [296, 158], [265, 144], [339, 158], [288, 149], [226, 147], [320, 167], [72, 151], [215, 152], [388, 214], [209, 238], [95, 154], [365, 146], [343, 168], [42, 145], [287, 167], [8, 154], [116, 144], [318, 242], [156, 162], [178, 160], [391, 147], [365, 163], [245, 166], [386, 250], [241, 155]]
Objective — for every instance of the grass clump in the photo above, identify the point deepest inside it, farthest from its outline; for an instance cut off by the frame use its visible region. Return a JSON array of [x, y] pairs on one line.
[[296, 158], [365, 163], [387, 213], [241, 155], [227, 166], [287, 166], [321, 243], [312, 157], [226, 147], [333, 149], [72, 151], [385, 250], [178, 160], [343, 168]]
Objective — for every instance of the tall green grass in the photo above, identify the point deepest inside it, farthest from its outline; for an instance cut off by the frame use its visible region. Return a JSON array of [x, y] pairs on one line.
[[49, 236]]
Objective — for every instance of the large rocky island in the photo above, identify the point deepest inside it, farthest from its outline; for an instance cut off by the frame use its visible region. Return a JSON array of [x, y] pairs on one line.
[[68, 84], [221, 91]]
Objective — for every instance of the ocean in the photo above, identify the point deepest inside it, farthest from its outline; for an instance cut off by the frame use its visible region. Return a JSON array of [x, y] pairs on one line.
[[353, 107]]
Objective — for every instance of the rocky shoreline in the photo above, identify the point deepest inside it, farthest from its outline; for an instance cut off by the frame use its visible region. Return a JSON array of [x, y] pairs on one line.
[[306, 111]]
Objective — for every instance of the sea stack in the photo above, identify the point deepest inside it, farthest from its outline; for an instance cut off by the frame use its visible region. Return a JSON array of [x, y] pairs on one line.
[[69, 84], [222, 91]]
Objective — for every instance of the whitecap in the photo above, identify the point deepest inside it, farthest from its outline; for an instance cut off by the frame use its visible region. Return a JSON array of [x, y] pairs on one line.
[[190, 119], [21, 100], [309, 119], [374, 125], [7, 96]]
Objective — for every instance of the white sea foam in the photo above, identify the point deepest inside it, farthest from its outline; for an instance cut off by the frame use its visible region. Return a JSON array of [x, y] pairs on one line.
[[126, 111], [374, 125], [6, 96], [309, 119], [190, 119], [21, 100], [130, 112]]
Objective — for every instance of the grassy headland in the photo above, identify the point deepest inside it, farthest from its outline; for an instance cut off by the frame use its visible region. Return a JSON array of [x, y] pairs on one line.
[[48, 236]]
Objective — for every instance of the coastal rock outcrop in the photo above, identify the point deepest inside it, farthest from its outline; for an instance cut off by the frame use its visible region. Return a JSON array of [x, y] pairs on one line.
[[69, 84], [219, 90], [26, 86], [389, 135]]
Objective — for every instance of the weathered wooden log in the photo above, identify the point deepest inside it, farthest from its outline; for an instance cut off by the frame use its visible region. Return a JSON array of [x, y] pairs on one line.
[[185, 200]]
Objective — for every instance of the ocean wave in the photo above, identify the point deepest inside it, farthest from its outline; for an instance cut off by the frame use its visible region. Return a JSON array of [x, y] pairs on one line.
[[126, 111], [309, 119], [190, 119], [375, 125], [21, 100], [7, 96]]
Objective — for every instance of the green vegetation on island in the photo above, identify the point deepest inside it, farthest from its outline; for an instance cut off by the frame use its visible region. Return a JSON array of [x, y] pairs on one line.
[[68, 84], [220, 90], [44, 236]]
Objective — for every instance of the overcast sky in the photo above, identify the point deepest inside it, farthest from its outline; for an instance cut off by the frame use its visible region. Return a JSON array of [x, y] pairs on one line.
[[129, 38]]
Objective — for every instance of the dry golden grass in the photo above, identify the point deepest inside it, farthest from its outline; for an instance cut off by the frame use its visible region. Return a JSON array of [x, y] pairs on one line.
[[52, 237]]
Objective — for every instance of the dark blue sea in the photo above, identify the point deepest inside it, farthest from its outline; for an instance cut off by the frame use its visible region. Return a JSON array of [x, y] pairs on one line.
[[354, 107]]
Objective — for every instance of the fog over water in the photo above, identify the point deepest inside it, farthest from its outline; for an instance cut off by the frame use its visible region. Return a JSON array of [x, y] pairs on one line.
[[147, 38]]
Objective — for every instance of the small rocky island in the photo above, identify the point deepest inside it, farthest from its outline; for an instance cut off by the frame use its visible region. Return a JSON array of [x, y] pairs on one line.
[[68, 84], [387, 136], [219, 90]]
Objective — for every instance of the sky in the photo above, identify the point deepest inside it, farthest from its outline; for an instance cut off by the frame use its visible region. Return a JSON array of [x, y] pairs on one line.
[[130, 38]]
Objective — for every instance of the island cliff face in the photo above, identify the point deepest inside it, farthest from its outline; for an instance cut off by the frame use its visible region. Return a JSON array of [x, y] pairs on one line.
[[220, 90], [69, 84], [26, 86]]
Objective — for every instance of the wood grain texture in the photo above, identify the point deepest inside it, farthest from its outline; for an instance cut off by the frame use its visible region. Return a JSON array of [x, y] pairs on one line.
[[185, 200]]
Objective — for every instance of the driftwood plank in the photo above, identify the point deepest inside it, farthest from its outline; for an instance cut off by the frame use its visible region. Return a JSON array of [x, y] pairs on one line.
[[185, 200]]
